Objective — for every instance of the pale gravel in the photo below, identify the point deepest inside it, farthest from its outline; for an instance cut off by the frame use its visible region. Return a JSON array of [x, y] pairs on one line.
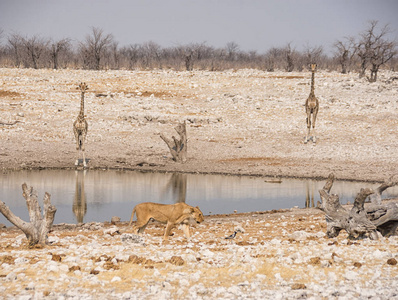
[[284, 255], [239, 122]]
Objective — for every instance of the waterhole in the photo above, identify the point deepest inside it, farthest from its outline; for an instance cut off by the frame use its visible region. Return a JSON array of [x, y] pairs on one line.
[[97, 196]]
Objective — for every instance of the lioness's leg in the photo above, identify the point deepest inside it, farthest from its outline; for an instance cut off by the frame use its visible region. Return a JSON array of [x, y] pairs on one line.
[[142, 229], [185, 228], [140, 226], [167, 232]]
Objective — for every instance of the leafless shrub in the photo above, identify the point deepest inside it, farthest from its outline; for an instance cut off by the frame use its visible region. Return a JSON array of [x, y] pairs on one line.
[[375, 49], [345, 51], [93, 48]]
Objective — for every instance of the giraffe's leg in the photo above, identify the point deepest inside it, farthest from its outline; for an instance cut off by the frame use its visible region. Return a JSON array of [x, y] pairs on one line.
[[308, 128], [313, 125], [77, 146], [84, 148], [314, 135]]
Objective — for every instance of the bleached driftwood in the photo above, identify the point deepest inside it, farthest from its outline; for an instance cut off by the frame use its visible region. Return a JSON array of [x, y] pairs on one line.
[[37, 230], [9, 123], [178, 148], [359, 221]]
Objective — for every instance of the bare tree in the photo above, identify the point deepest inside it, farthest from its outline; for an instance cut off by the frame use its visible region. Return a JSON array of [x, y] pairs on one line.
[[345, 51], [115, 55], [94, 47], [313, 54], [232, 50], [34, 47], [2, 50], [131, 55], [192, 53], [56, 48], [152, 54], [15, 44], [272, 56], [187, 54], [289, 57], [375, 49]]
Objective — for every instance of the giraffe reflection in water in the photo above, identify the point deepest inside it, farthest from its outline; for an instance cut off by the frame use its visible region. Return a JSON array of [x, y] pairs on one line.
[[178, 187], [79, 207], [309, 199]]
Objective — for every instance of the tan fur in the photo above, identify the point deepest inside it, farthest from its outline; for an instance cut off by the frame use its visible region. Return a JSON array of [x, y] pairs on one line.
[[171, 214], [311, 107], [80, 126]]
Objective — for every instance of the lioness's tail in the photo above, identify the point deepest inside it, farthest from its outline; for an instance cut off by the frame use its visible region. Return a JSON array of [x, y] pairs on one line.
[[132, 216]]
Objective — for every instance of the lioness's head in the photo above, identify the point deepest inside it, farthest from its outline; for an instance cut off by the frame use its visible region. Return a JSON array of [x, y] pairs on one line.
[[197, 214]]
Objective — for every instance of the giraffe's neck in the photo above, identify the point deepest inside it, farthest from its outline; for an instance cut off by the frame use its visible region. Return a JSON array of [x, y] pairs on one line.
[[81, 113], [313, 82]]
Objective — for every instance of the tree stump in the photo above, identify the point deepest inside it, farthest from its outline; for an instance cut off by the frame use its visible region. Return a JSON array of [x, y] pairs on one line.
[[359, 221], [40, 225], [178, 148]]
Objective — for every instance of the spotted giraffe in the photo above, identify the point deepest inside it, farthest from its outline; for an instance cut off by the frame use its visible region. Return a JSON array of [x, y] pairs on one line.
[[80, 126], [311, 107]]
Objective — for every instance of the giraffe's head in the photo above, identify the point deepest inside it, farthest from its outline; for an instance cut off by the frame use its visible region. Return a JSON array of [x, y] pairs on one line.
[[313, 67], [83, 87]]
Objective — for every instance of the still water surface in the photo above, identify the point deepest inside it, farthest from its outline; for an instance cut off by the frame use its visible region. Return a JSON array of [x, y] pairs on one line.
[[97, 196]]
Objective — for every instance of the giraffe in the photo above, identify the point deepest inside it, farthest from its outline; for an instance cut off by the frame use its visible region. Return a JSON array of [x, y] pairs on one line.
[[80, 126], [311, 107]]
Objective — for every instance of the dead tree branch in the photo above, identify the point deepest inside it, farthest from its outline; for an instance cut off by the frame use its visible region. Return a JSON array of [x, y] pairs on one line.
[[359, 221], [178, 148], [9, 123], [40, 225]]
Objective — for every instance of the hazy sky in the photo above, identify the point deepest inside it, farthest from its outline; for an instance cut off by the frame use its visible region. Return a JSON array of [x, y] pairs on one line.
[[252, 24]]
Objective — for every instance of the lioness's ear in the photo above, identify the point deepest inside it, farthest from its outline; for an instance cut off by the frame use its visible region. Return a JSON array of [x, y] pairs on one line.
[[192, 209]]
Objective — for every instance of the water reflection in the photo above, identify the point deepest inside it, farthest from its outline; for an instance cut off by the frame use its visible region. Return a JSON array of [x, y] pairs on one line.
[[79, 206], [309, 198], [178, 187], [99, 195]]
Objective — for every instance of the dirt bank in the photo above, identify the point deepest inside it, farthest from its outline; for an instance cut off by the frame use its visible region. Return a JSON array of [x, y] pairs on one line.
[[243, 122]]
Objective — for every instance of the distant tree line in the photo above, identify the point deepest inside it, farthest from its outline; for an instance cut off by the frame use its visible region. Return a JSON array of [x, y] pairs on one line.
[[369, 51]]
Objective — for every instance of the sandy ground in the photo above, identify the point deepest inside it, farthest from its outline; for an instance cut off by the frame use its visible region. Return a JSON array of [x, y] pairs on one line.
[[280, 255], [238, 122]]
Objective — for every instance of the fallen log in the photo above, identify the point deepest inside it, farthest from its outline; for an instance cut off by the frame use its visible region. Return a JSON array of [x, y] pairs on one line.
[[360, 221], [40, 225], [178, 148], [9, 123]]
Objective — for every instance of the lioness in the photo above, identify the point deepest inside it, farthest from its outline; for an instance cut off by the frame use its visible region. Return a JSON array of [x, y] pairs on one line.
[[171, 214]]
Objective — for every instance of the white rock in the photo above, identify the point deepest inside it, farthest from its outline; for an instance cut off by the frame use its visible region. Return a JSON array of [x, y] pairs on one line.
[[207, 253], [52, 268], [11, 276], [351, 275], [20, 260], [184, 282], [64, 268], [275, 241], [116, 279], [298, 236]]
